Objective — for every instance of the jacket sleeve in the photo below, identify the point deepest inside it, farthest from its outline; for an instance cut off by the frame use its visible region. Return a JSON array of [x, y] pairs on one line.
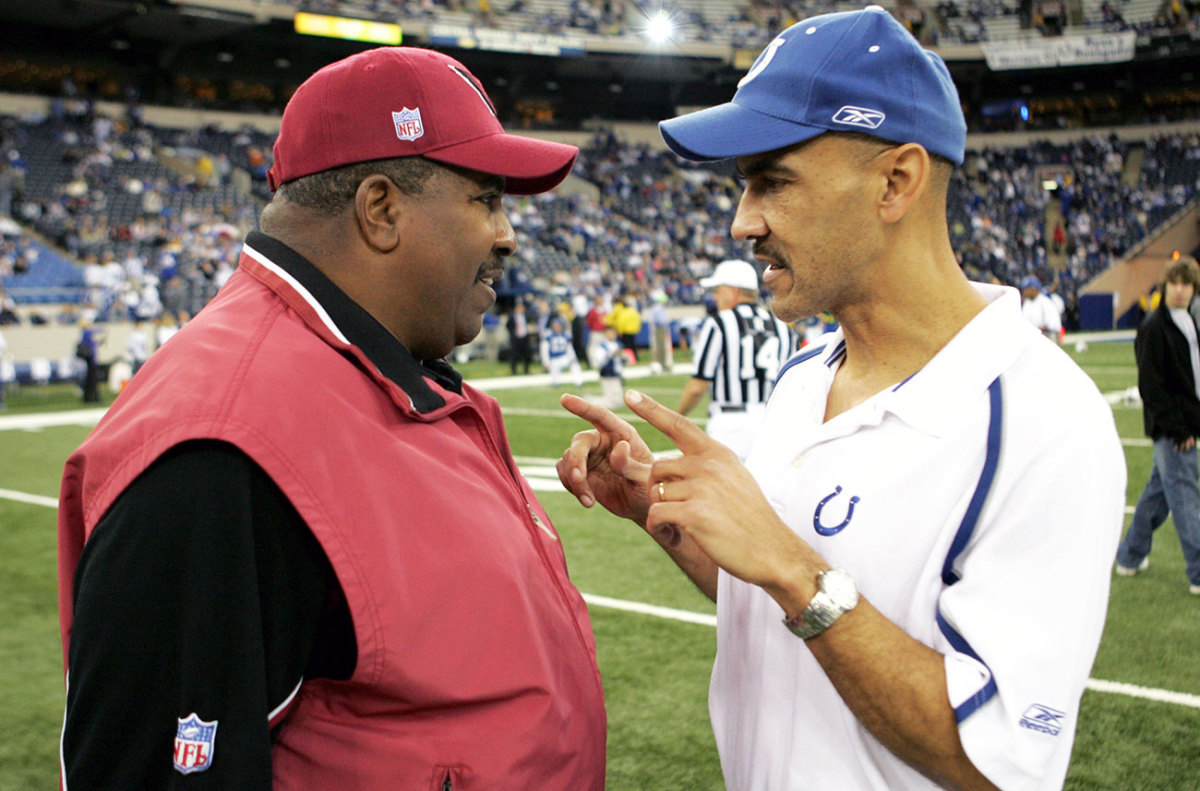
[[180, 609]]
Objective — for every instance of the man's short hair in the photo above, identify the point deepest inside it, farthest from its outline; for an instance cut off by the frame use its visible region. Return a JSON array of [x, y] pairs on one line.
[[1183, 270], [330, 191], [870, 147]]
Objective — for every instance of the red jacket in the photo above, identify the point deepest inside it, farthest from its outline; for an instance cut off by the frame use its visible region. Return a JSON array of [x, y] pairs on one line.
[[475, 653], [595, 320]]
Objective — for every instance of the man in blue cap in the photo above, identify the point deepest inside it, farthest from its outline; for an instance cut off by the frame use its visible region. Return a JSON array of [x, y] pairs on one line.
[[911, 569]]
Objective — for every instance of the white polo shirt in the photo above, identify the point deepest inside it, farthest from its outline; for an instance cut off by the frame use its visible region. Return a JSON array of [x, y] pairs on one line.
[[978, 506]]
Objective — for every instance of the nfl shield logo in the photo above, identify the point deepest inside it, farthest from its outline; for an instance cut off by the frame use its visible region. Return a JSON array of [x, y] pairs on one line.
[[194, 743], [408, 123]]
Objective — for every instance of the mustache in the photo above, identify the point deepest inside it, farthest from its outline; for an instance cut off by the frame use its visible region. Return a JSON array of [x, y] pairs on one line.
[[761, 251], [493, 268]]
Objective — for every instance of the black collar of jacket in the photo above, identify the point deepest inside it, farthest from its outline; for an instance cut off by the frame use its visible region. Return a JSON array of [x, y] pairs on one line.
[[363, 330]]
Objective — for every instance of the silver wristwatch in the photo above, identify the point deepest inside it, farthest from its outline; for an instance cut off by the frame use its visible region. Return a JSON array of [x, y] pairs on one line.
[[836, 595]]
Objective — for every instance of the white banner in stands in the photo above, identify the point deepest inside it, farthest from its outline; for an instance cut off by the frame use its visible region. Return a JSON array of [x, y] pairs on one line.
[[1045, 53], [506, 41]]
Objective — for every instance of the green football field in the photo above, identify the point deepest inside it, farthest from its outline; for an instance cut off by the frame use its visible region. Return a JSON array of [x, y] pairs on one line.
[[1139, 726]]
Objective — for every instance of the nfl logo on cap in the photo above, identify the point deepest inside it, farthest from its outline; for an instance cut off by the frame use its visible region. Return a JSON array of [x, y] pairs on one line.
[[408, 123], [195, 740]]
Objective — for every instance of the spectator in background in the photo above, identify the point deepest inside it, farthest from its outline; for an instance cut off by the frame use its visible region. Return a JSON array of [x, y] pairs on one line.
[[1038, 309], [579, 326], [137, 345], [557, 352], [1050, 17], [540, 317], [662, 356], [1059, 238], [608, 358], [491, 340], [6, 366], [1060, 307], [1168, 359], [519, 331], [597, 317], [88, 352], [628, 321], [165, 328], [8, 309]]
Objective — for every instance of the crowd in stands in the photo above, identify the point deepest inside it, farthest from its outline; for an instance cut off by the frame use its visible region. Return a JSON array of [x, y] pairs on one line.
[[998, 204], [753, 24], [154, 217], [149, 236]]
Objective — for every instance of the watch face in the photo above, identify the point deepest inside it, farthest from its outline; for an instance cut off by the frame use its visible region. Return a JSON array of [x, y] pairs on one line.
[[835, 596], [840, 588]]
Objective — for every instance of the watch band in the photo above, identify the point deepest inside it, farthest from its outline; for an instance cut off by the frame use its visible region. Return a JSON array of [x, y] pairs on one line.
[[836, 595]]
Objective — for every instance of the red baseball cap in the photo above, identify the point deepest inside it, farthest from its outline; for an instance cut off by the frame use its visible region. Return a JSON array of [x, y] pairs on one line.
[[403, 102]]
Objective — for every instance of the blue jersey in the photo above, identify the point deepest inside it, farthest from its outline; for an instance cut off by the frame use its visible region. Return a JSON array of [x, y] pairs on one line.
[[610, 358], [558, 344]]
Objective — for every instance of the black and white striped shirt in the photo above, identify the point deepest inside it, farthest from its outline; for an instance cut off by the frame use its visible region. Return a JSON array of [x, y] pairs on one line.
[[740, 350]]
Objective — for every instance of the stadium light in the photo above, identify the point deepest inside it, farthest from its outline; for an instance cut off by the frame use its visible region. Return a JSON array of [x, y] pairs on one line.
[[660, 27]]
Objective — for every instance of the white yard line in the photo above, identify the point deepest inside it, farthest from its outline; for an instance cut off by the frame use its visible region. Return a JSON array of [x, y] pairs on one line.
[[668, 613], [39, 420], [1146, 693], [31, 499]]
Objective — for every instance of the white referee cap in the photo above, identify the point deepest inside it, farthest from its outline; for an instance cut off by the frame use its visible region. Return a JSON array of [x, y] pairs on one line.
[[733, 272]]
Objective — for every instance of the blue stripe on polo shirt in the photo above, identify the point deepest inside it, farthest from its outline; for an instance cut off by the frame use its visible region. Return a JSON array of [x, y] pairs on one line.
[[807, 354], [987, 691], [983, 488], [838, 353], [965, 530], [902, 384]]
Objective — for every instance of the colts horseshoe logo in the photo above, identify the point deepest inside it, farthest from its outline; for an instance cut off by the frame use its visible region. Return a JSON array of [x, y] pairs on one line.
[[829, 531]]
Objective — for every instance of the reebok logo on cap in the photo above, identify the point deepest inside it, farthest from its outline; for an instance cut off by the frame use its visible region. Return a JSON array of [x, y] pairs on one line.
[[859, 116]]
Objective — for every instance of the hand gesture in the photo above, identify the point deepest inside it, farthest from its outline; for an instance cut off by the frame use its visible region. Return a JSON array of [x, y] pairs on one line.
[[712, 498], [608, 464]]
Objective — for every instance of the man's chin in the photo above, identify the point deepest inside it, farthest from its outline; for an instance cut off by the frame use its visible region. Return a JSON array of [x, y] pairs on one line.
[[468, 335], [786, 312]]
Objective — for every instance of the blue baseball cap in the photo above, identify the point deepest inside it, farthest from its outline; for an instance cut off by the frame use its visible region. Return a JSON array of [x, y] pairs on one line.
[[851, 71], [1030, 281]]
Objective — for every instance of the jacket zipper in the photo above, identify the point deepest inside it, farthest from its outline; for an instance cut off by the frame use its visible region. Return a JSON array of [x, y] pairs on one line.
[[515, 487]]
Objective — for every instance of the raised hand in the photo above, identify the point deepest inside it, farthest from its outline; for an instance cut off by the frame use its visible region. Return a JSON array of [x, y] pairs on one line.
[[713, 499], [608, 464]]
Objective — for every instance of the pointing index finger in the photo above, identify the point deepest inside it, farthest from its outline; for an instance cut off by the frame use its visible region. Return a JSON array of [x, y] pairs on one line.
[[686, 435], [601, 418]]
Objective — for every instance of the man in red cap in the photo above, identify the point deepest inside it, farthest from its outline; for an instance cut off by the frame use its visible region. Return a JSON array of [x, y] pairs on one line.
[[297, 552]]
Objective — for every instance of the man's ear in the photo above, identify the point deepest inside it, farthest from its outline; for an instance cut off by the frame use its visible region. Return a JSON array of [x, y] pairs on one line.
[[378, 206], [907, 169]]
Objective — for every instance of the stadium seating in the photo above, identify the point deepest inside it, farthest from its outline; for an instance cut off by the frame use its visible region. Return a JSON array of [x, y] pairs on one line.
[[749, 24], [128, 210]]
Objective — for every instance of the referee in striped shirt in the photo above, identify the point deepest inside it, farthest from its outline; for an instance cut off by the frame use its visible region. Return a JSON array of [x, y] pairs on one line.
[[738, 353]]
